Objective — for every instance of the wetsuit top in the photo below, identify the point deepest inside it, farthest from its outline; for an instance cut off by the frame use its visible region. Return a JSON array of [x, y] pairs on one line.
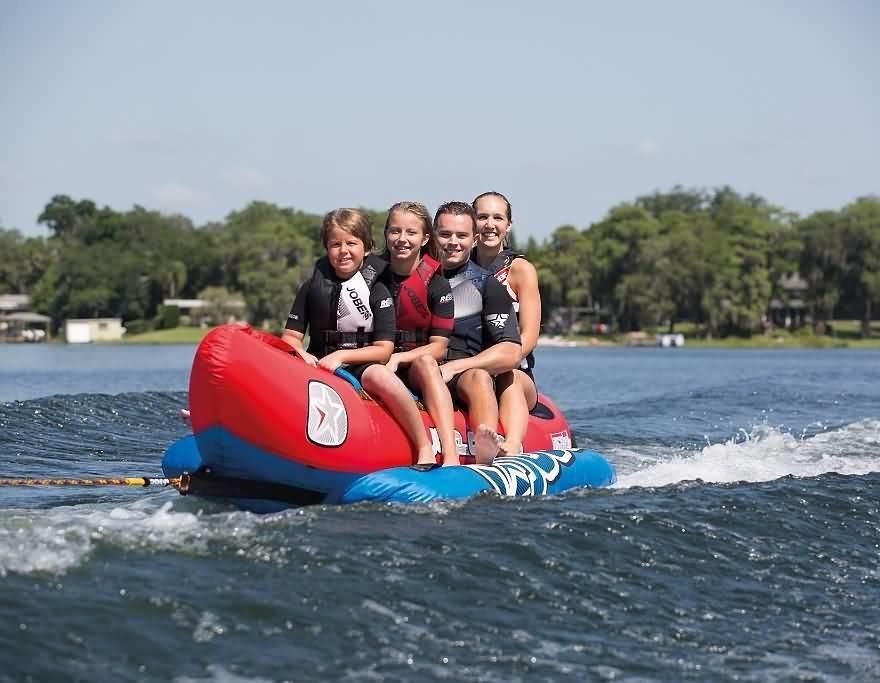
[[423, 302], [500, 266], [343, 313], [484, 313]]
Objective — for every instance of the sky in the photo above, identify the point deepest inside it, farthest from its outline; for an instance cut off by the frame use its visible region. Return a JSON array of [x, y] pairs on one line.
[[568, 108]]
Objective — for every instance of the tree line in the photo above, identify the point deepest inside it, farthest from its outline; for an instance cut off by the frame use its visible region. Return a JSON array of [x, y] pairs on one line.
[[715, 258]]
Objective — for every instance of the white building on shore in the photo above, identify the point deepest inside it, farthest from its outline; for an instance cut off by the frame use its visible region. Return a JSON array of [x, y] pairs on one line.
[[85, 330], [18, 324]]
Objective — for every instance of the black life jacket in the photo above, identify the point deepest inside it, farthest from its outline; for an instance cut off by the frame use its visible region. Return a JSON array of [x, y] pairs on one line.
[[468, 286], [500, 267], [336, 324], [412, 306]]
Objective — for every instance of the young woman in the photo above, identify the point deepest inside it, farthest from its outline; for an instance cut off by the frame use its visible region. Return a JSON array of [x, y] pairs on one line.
[[517, 392], [350, 318], [425, 315]]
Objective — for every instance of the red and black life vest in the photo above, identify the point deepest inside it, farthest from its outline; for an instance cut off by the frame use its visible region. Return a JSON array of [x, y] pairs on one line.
[[412, 306]]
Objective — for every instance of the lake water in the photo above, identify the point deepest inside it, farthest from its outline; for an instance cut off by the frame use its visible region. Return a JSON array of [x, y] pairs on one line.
[[741, 542]]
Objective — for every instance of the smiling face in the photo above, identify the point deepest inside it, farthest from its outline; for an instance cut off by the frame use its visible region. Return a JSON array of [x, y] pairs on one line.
[[404, 237], [455, 238], [345, 252], [492, 222]]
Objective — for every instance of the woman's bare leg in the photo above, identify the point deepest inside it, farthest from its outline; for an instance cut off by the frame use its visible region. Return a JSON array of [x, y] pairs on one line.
[[387, 387], [516, 392], [424, 375]]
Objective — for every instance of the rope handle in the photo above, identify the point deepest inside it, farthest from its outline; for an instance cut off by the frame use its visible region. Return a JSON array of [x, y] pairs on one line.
[[124, 481]]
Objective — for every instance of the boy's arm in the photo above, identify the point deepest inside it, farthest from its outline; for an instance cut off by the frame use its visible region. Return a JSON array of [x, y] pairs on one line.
[[297, 323], [382, 307], [442, 321], [501, 331]]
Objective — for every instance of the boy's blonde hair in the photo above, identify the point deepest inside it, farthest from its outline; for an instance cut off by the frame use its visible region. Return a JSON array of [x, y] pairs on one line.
[[353, 221]]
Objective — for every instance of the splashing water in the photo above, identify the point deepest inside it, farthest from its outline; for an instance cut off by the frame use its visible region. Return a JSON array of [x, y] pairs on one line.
[[761, 454]]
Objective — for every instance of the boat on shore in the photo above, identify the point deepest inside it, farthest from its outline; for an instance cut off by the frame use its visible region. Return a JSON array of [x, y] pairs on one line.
[[270, 431]]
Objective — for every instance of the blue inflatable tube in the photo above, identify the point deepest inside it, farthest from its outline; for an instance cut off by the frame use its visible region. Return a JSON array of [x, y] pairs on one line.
[[540, 473], [529, 474]]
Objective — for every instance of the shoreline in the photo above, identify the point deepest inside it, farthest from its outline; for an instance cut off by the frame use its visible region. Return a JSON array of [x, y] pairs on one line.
[[757, 342], [188, 335]]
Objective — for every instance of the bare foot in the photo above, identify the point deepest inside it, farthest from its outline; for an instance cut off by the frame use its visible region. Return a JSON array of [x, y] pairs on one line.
[[509, 448], [185, 416], [451, 460], [485, 445]]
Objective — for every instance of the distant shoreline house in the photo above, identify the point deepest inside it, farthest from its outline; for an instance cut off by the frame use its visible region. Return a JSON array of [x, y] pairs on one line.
[[18, 324], [787, 308], [200, 312], [578, 320], [86, 330]]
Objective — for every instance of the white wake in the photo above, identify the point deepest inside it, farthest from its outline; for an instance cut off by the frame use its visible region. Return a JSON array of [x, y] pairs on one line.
[[761, 454]]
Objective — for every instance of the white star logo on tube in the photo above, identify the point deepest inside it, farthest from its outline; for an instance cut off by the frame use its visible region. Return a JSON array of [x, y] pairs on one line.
[[328, 420]]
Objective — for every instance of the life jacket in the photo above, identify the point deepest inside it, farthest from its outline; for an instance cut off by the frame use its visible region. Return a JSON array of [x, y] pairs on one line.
[[339, 311], [500, 267], [468, 286], [412, 306]]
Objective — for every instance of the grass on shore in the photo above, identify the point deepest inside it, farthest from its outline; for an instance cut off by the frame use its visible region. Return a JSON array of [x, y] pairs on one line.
[[178, 335], [844, 334]]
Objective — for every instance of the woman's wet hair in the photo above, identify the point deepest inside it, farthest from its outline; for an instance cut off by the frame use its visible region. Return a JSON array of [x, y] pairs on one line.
[[420, 211], [500, 196], [353, 221], [457, 209]]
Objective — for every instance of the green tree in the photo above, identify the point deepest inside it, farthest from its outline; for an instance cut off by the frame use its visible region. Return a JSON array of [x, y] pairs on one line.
[[823, 262], [221, 303], [688, 269], [861, 237], [563, 268], [618, 242], [68, 218], [172, 277], [23, 261], [678, 200], [268, 252], [747, 224], [107, 263]]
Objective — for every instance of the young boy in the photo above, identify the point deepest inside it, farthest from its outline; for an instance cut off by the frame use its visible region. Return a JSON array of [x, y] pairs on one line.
[[350, 318]]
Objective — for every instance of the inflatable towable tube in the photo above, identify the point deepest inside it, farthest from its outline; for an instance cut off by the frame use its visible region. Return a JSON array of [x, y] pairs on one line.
[[267, 427]]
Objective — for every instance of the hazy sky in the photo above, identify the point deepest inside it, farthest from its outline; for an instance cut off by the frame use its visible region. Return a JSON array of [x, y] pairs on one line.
[[566, 107]]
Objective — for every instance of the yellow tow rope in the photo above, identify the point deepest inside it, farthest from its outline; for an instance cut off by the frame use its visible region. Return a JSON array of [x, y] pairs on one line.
[[126, 481]]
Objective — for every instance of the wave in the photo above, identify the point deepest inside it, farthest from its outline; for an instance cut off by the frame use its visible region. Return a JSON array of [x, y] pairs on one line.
[[762, 453], [59, 407], [55, 540], [88, 435], [215, 673]]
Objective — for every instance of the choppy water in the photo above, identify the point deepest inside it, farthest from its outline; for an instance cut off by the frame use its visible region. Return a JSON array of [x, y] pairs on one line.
[[740, 543]]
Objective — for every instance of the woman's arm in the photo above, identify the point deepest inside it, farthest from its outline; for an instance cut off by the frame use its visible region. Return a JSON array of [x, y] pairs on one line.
[[442, 309], [524, 283], [436, 348], [498, 358]]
